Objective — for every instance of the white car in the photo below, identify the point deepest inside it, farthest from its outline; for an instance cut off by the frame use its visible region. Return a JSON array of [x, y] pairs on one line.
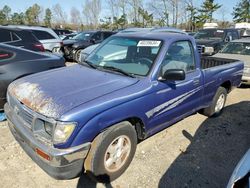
[[50, 40], [238, 49]]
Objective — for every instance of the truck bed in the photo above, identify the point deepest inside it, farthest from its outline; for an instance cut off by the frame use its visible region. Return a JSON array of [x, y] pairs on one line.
[[208, 62]]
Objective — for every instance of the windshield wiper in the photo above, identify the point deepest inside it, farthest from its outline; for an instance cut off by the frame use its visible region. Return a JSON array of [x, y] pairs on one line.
[[89, 64], [118, 70]]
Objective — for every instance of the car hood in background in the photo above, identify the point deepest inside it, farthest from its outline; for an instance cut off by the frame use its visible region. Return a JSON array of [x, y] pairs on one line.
[[54, 93], [208, 42], [243, 58]]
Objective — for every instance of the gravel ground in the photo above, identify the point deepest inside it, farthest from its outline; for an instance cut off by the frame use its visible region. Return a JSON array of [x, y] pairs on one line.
[[196, 152]]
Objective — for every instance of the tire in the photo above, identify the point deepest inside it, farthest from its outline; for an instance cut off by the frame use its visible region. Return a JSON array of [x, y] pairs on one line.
[[111, 152], [77, 56], [218, 103]]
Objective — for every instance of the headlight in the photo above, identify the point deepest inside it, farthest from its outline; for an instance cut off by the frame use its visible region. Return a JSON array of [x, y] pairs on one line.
[[63, 131], [48, 128], [209, 50]]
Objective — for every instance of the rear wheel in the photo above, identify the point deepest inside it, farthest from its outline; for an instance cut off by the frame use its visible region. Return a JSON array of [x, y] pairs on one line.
[[111, 152], [218, 103]]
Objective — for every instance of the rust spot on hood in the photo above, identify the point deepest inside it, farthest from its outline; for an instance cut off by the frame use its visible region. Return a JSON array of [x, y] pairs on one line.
[[31, 95]]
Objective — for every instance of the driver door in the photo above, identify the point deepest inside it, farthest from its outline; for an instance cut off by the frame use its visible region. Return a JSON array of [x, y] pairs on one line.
[[176, 99]]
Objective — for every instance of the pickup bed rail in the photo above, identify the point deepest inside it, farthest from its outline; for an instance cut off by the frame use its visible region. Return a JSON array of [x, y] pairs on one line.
[[208, 62]]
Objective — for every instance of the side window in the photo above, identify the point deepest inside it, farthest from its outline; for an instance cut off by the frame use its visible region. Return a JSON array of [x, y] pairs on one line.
[[229, 34], [180, 55], [234, 35], [97, 37], [5, 36], [42, 35], [5, 55], [106, 35], [14, 37]]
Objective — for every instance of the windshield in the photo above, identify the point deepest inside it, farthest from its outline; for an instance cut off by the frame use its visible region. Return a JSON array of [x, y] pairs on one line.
[[131, 55], [83, 36], [237, 48], [209, 34]]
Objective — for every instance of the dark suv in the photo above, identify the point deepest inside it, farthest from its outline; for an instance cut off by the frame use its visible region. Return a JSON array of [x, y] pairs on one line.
[[73, 47], [17, 62], [20, 38], [210, 41]]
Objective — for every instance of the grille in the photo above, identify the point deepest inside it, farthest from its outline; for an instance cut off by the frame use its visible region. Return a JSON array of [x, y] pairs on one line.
[[20, 110]]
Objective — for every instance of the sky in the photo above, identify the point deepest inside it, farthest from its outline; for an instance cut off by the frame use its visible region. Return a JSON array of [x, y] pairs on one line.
[[21, 5]]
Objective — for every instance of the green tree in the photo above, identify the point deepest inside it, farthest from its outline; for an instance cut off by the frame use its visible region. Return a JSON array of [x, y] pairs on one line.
[[120, 22], [6, 11], [241, 12], [207, 9], [192, 15], [48, 17], [3, 19], [32, 14], [18, 18], [147, 19]]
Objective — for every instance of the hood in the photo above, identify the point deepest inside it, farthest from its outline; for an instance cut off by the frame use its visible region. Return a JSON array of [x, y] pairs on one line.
[[77, 43], [69, 42], [82, 44], [54, 93], [243, 58], [208, 42]]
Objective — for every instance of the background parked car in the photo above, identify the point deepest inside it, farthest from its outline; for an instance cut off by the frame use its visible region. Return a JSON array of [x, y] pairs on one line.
[[69, 36], [238, 49], [62, 33], [241, 175], [73, 47], [85, 52], [210, 41], [17, 62], [20, 38], [50, 40]]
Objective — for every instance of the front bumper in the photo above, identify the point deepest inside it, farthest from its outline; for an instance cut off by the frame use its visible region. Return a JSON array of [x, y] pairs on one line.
[[62, 163], [245, 80]]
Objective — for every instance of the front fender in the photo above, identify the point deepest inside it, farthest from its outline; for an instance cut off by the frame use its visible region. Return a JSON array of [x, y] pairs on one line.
[[108, 118]]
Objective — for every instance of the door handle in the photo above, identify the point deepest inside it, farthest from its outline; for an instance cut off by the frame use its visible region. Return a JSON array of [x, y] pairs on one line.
[[196, 82]]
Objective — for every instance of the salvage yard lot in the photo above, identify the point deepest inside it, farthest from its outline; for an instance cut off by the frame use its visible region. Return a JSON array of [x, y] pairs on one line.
[[196, 152]]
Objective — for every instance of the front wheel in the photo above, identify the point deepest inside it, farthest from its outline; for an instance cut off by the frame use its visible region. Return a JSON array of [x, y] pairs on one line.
[[218, 103], [77, 56], [111, 152]]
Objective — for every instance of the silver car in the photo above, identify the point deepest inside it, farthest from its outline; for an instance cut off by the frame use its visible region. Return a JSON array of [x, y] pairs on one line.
[[238, 49], [50, 40]]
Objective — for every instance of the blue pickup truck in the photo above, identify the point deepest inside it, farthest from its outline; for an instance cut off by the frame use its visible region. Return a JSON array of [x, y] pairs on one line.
[[90, 117]]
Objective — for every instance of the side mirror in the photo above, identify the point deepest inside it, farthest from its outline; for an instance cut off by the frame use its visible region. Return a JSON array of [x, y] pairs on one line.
[[173, 75]]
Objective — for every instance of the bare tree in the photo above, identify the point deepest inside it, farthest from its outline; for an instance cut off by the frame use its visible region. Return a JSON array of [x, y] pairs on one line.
[[75, 16], [59, 15], [135, 5], [122, 4], [161, 9], [91, 11]]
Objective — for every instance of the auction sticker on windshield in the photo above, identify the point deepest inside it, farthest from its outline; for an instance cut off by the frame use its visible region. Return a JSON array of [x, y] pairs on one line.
[[149, 43]]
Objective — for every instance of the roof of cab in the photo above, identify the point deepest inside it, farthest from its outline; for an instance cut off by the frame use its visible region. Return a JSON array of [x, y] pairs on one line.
[[156, 35]]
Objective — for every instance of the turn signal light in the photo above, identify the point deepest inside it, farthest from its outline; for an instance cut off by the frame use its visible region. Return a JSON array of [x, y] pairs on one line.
[[42, 154]]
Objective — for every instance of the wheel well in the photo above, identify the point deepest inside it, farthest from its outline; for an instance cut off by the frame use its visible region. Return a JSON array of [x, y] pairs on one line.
[[227, 85], [139, 126]]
